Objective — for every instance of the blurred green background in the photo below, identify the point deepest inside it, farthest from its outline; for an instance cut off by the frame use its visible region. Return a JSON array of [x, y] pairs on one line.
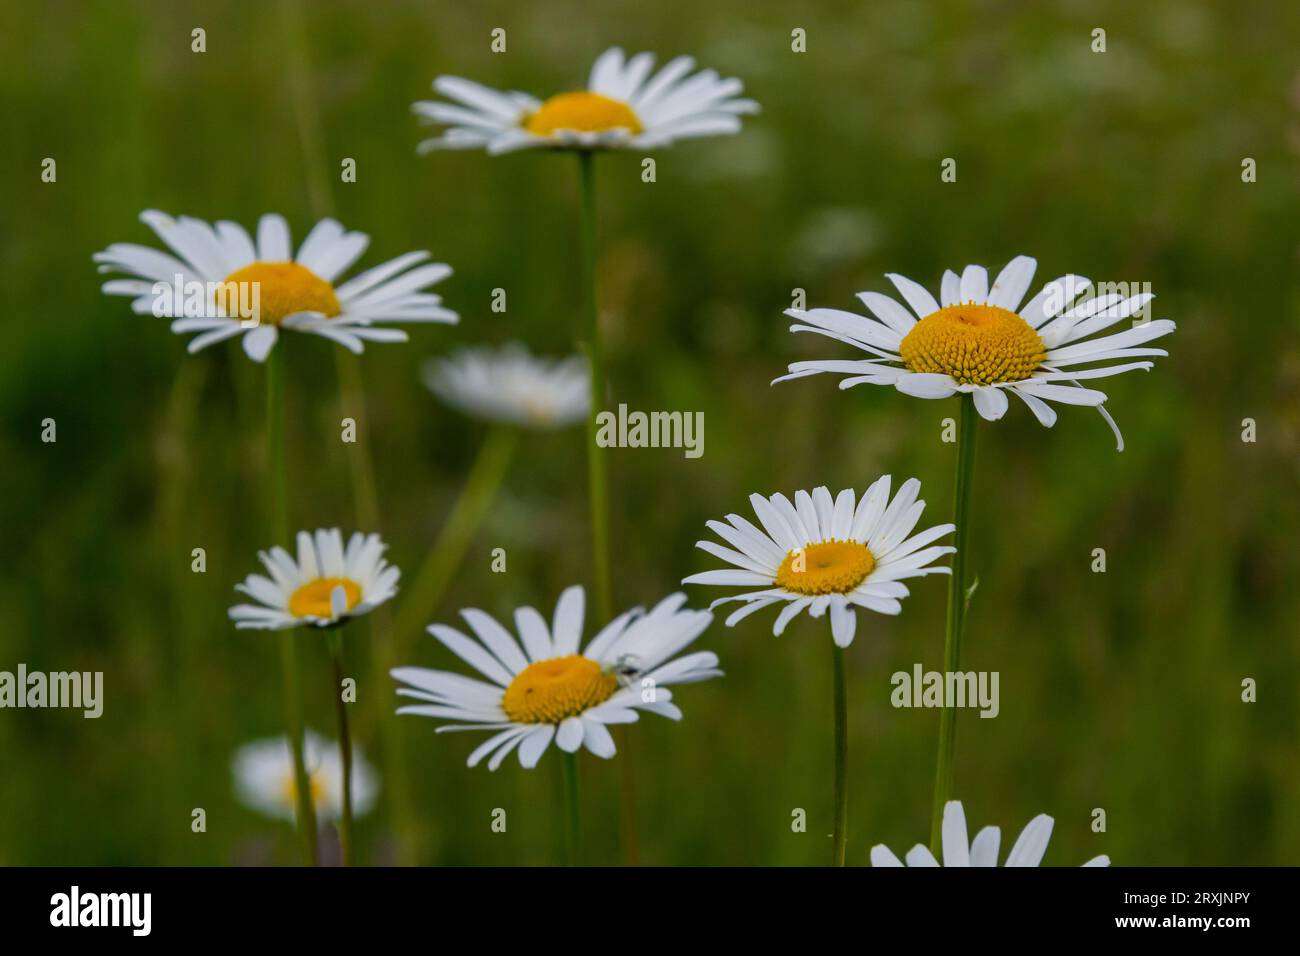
[[1119, 690]]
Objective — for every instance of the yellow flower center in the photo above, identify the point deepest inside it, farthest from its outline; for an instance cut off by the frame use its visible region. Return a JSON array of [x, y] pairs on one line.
[[828, 567], [975, 344], [313, 598], [583, 112], [549, 691], [537, 410], [283, 288], [315, 786]]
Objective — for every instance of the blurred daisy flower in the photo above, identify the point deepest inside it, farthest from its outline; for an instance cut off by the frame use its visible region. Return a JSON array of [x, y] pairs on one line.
[[547, 689], [510, 385], [981, 340], [624, 106], [325, 586], [958, 850], [220, 283], [264, 779], [821, 554]]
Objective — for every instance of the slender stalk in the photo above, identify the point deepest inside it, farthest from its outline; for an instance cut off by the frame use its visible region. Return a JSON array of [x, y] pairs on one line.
[[277, 480], [352, 403], [598, 485], [597, 477], [958, 598], [419, 601], [841, 835], [572, 813], [335, 640], [627, 829], [448, 550], [347, 368], [175, 456]]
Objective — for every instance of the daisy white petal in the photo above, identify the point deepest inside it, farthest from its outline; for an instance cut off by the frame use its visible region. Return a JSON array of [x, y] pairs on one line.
[[471, 653], [569, 737], [949, 289], [534, 745], [926, 385], [974, 284], [991, 403], [273, 239], [888, 311], [492, 743], [882, 855], [956, 851], [915, 294], [1012, 283], [496, 638], [597, 739], [1054, 298], [984, 848], [921, 856], [1030, 846]]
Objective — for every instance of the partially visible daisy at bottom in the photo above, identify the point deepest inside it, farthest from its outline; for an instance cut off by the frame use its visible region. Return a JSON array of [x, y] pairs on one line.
[[821, 553], [958, 850], [264, 780], [326, 584], [540, 686], [512, 386]]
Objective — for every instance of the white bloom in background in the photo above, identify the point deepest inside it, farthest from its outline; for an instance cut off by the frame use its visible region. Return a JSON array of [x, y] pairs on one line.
[[624, 106], [296, 293], [540, 687], [263, 772], [983, 850], [326, 585], [824, 554], [983, 341], [512, 386]]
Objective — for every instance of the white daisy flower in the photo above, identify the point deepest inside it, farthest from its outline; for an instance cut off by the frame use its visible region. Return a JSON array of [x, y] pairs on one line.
[[983, 341], [821, 554], [325, 586], [623, 107], [512, 386], [548, 690], [231, 285], [264, 780], [983, 850]]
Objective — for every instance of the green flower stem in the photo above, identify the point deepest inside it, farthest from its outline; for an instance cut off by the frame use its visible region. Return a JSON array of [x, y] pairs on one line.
[[572, 812], [598, 483], [420, 600], [352, 401], [597, 478], [841, 835], [279, 493], [175, 463], [958, 598], [421, 597], [335, 641]]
